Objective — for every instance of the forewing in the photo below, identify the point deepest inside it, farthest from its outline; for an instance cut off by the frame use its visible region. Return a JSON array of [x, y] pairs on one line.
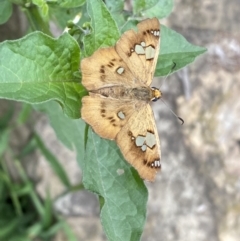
[[139, 143], [139, 50], [105, 68], [106, 116]]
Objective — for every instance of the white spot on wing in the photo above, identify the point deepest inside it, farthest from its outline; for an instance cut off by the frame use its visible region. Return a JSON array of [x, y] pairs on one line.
[[139, 49], [139, 140], [120, 70], [157, 163], [150, 139], [144, 147], [121, 115], [150, 52]]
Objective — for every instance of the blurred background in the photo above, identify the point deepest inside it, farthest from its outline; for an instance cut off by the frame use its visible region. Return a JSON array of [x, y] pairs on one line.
[[197, 194]]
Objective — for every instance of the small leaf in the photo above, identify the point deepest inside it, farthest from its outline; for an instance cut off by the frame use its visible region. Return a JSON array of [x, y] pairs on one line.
[[54, 162], [5, 11], [176, 51], [38, 68], [115, 6], [159, 9], [153, 8], [116, 9], [130, 24]]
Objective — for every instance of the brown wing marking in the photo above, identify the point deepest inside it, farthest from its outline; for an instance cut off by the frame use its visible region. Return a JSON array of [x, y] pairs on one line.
[[107, 117], [105, 68]]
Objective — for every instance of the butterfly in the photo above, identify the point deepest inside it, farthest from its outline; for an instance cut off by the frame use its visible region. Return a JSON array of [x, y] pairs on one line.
[[118, 107]]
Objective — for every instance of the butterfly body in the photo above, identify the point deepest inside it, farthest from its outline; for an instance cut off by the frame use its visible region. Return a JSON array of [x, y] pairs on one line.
[[118, 80], [143, 93]]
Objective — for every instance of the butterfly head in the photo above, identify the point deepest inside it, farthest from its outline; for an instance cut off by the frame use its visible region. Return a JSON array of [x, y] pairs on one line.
[[156, 94]]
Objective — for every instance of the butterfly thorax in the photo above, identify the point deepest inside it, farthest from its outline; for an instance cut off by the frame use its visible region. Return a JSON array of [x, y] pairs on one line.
[[142, 93]]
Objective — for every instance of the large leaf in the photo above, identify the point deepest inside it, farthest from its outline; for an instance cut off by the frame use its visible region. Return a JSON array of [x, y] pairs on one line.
[[105, 32], [116, 9], [125, 196], [38, 68], [115, 6]]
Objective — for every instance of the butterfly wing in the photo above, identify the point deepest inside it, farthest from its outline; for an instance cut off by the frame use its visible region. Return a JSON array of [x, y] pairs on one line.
[[139, 50], [105, 68], [133, 127], [139, 143], [107, 117]]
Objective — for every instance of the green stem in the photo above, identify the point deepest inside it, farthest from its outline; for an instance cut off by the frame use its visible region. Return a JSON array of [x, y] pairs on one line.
[[36, 21]]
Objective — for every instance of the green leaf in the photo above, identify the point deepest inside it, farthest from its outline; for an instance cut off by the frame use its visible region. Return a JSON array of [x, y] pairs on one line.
[[176, 51], [5, 11], [130, 24], [115, 6], [122, 191], [105, 32], [159, 8], [153, 8], [38, 68], [116, 9], [47, 218], [70, 3]]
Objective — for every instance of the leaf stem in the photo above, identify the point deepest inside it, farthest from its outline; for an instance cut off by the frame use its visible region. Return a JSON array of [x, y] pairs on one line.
[[35, 19]]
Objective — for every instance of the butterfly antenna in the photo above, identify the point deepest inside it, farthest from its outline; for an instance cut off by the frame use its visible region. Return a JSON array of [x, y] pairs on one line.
[[179, 118], [170, 71]]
